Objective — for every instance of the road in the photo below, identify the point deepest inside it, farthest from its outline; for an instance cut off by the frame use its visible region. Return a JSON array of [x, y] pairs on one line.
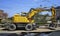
[[19, 31]]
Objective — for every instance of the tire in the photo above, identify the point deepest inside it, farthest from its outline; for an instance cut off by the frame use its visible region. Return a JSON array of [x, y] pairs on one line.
[[11, 27], [29, 27]]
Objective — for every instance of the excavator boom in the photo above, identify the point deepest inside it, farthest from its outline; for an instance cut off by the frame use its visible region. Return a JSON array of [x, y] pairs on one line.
[[33, 11]]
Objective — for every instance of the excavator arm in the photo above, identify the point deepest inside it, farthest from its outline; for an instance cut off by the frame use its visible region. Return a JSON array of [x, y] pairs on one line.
[[33, 11], [53, 10]]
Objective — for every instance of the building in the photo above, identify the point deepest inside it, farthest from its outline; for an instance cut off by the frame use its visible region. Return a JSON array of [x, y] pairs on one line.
[[3, 15], [57, 12]]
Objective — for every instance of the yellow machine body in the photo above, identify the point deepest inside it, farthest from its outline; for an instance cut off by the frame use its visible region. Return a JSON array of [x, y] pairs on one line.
[[20, 19]]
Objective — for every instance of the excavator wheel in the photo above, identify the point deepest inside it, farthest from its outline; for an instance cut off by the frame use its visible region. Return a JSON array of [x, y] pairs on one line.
[[29, 27], [11, 27]]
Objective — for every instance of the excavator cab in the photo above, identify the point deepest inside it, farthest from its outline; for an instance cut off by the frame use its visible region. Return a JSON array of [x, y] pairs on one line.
[[23, 14]]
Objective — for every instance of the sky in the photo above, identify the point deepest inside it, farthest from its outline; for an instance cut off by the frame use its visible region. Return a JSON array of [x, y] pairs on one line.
[[17, 6]]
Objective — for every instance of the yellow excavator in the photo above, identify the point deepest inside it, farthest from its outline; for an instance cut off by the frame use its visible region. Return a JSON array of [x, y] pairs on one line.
[[27, 21]]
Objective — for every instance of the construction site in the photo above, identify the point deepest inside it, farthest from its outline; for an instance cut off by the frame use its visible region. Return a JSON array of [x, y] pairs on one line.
[[33, 18], [29, 22]]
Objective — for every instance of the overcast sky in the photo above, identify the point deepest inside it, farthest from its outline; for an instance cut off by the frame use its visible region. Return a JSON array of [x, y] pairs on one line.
[[17, 6]]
